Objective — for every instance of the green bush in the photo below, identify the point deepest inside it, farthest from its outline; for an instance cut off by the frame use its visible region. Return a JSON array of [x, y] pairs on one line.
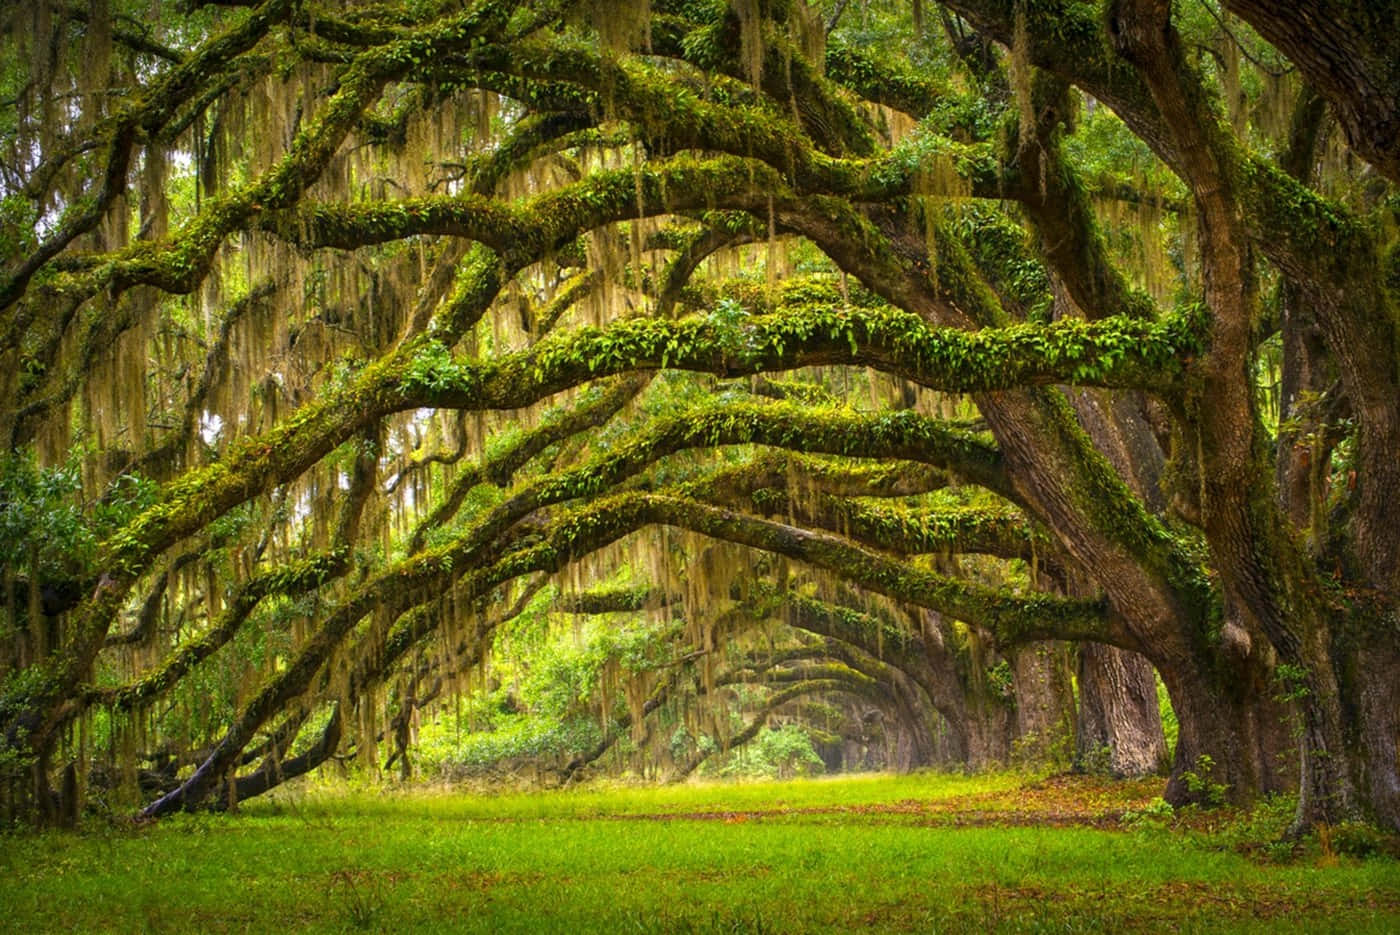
[[778, 752]]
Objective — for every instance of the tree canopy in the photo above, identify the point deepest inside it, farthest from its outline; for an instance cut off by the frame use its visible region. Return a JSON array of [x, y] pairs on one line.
[[848, 346]]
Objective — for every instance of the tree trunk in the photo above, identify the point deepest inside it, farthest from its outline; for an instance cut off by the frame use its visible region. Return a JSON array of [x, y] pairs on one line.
[[1044, 704], [981, 726], [908, 726], [1376, 701], [1233, 741], [1118, 713]]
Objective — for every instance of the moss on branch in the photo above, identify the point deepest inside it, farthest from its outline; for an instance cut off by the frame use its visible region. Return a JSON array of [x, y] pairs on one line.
[[289, 581], [913, 530], [1011, 616], [1113, 352]]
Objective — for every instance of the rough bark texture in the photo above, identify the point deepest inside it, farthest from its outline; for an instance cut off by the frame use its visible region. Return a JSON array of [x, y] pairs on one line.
[[1119, 727], [1348, 51], [1044, 730]]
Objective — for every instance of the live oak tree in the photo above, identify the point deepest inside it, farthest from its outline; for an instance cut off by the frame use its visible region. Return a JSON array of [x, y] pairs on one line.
[[330, 330]]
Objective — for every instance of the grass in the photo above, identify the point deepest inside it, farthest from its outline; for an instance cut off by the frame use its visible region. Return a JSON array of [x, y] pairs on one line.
[[926, 853]]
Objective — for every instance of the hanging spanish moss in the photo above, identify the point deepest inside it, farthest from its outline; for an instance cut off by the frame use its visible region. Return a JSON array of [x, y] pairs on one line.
[[326, 438], [750, 16]]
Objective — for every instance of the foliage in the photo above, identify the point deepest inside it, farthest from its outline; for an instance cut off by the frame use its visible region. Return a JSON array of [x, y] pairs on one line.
[[512, 743], [607, 370], [780, 752], [43, 531], [1158, 810], [1170, 727], [1199, 782]]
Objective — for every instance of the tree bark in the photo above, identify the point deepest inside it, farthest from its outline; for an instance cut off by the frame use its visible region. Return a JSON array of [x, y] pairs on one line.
[[1044, 730], [1375, 696], [1348, 51], [1118, 712]]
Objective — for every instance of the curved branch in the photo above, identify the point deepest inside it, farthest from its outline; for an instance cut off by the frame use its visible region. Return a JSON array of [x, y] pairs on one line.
[[1348, 52], [145, 117], [770, 705], [403, 586]]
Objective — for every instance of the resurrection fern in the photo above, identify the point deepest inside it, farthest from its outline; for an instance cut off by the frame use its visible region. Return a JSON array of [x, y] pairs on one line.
[[663, 387]]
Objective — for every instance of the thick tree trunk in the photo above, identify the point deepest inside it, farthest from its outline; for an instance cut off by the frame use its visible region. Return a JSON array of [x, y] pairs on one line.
[[1118, 712], [1375, 698], [978, 728], [981, 725], [1348, 50], [1233, 741], [1327, 792], [989, 729], [1044, 719], [909, 729]]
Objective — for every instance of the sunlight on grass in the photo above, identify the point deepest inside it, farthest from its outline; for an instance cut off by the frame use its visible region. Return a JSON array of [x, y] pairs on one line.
[[624, 799]]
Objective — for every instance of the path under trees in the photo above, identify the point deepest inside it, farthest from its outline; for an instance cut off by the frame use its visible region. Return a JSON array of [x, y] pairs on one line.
[[904, 353]]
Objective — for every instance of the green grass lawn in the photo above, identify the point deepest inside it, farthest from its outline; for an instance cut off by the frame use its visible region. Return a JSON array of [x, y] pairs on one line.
[[927, 853]]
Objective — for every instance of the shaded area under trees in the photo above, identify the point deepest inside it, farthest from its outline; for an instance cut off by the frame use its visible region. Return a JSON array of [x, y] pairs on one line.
[[915, 365]]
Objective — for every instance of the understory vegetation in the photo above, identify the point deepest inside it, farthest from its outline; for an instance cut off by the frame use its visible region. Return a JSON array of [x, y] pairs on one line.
[[568, 390]]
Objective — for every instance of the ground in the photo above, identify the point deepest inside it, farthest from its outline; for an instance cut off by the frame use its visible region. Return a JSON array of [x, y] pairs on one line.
[[926, 853]]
